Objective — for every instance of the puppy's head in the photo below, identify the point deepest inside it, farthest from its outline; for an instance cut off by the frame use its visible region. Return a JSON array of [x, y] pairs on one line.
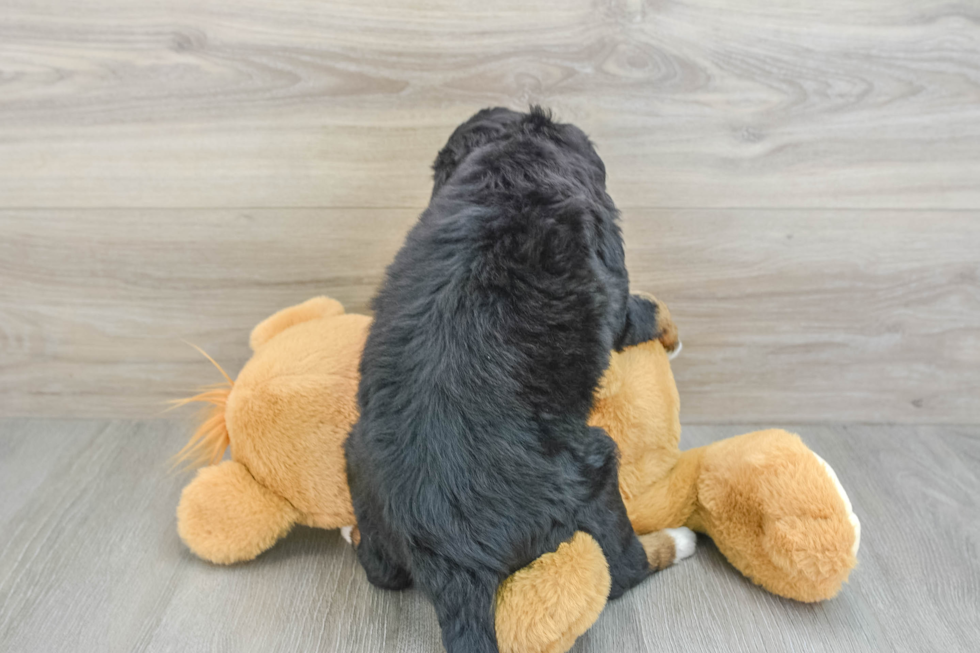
[[498, 124], [486, 126]]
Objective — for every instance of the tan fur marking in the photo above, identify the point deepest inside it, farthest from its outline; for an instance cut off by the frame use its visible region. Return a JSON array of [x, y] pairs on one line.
[[660, 549]]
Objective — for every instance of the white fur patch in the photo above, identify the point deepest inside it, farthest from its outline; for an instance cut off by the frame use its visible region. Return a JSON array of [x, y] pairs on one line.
[[677, 350], [684, 542], [345, 533], [855, 522]]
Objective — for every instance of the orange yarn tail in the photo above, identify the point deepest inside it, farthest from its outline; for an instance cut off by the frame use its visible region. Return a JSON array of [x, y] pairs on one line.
[[208, 444]]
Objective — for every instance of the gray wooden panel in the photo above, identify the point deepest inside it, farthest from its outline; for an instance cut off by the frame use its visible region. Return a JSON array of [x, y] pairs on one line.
[[816, 316], [695, 103], [805, 316], [89, 558], [95, 306]]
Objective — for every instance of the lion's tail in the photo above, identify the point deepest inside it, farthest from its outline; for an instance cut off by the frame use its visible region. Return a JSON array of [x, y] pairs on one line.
[[208, 444]]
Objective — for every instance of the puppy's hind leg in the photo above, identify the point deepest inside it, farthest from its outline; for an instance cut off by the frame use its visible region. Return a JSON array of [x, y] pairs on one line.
[[604, 516], [464, 602], [378, 563]]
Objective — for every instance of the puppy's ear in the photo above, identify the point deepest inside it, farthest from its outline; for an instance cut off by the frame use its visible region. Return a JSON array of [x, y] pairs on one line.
[[485, 126]]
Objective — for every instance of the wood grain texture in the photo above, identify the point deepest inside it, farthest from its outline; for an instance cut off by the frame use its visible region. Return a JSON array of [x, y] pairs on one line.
[[800, 316], [799, 182], [89, 555], [96, 306], [794, 316], [693, 103]]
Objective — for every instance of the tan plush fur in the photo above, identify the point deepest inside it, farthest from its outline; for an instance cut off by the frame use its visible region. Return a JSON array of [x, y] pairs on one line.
[[637, 404], [311, 309], [291, 409], [225, 516], [764, 498], [544, 607]]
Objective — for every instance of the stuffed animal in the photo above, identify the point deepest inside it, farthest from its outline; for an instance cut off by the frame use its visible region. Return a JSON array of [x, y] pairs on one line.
[[773, 507]]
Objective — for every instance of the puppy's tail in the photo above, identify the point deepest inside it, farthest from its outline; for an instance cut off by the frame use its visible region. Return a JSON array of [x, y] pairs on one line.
[[208, 443]]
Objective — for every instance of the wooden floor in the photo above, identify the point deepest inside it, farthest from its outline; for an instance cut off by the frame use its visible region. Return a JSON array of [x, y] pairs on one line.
[[90, 556], [799, 181]]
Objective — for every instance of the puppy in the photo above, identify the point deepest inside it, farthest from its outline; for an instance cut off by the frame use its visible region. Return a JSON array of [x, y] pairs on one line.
[[472, 455]]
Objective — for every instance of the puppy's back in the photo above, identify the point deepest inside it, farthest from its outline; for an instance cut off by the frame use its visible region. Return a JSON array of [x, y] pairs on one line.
[[491, 331]]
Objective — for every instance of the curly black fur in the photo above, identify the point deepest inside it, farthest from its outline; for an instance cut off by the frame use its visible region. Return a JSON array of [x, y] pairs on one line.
[[472, 455]]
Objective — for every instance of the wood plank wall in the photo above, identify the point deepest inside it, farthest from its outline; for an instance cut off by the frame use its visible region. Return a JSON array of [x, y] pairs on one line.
[[799, 181]]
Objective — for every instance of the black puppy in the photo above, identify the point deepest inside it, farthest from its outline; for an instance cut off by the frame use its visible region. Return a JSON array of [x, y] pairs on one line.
[[472, 455]]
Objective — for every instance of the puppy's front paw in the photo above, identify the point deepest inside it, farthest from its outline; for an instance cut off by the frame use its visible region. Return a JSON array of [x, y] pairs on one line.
[[648, 319], [351, 534], [665, 328], [668, 546]]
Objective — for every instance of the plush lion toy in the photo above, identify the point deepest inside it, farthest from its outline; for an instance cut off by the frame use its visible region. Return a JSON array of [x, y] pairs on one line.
[[772, 506]]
